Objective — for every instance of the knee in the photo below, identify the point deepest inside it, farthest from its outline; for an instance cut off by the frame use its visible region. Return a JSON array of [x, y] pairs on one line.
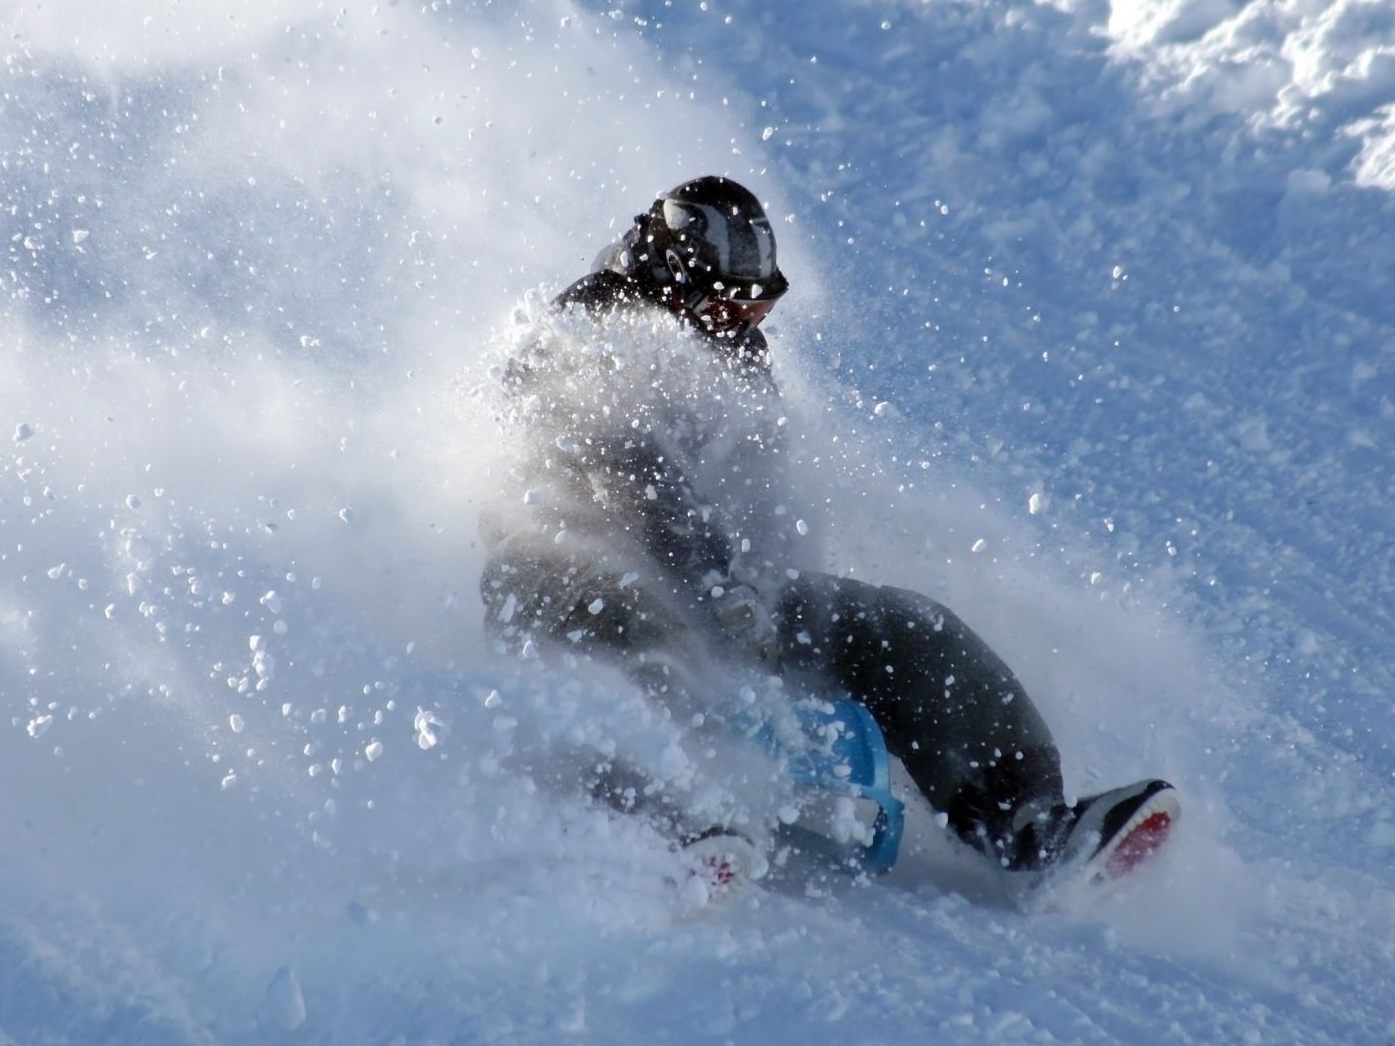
[[908, 604]]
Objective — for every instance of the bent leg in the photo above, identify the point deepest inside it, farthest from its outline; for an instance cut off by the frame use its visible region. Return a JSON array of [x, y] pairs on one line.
[[950, 709], [579, 603]]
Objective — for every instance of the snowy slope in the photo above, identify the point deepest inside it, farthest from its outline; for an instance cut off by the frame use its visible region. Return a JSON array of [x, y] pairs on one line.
[[1091, 335]]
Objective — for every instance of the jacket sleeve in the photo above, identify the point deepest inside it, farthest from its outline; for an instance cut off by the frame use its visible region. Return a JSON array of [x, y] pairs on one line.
[[624, 493], [644, 493]]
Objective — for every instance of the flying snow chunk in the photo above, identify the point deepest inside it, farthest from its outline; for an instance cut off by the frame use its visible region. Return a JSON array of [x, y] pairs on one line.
[[673, 763], [373, 751], [80, 234], [1038, 503], [506, 612], [38, 726], [767, 134], [23, 431], [236, 723], [429, 729]]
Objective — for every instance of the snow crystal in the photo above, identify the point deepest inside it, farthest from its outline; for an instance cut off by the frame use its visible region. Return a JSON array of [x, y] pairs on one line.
[[284, 1006]]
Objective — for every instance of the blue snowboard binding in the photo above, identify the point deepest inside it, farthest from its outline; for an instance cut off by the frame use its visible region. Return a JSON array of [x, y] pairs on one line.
[[841, 758]]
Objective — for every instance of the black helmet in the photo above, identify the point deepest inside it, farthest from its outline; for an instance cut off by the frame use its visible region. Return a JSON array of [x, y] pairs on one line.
[[712, 250]]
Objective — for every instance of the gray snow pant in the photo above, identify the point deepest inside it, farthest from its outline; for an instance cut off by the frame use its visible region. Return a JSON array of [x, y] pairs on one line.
[[950, 709]]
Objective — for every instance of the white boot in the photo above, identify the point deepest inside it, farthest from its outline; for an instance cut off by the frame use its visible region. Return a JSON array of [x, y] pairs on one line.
[[1101, 839], [719, 863]]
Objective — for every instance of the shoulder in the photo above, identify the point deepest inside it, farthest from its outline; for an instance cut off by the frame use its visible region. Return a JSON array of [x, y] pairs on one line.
[[602, 291]]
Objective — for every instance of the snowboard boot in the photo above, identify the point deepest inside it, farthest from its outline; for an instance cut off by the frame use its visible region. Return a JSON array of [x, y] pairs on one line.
[[1102, 838]]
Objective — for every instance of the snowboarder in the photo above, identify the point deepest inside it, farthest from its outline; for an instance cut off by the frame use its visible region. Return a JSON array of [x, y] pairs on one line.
[[698, 503]]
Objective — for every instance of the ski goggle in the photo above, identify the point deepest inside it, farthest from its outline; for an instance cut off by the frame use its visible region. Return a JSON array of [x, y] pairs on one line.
[[739, 307]]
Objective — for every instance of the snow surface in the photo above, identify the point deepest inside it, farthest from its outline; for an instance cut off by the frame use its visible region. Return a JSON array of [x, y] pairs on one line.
[[1092, 336]]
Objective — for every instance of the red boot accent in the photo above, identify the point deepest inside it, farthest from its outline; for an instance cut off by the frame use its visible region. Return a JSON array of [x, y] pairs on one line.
[[1139, 845]]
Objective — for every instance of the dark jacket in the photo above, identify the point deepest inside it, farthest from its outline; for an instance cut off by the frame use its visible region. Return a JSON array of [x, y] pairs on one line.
[[656, 510]]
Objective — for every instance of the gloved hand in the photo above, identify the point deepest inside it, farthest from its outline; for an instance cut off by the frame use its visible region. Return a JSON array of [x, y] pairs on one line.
[[744, 619]]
